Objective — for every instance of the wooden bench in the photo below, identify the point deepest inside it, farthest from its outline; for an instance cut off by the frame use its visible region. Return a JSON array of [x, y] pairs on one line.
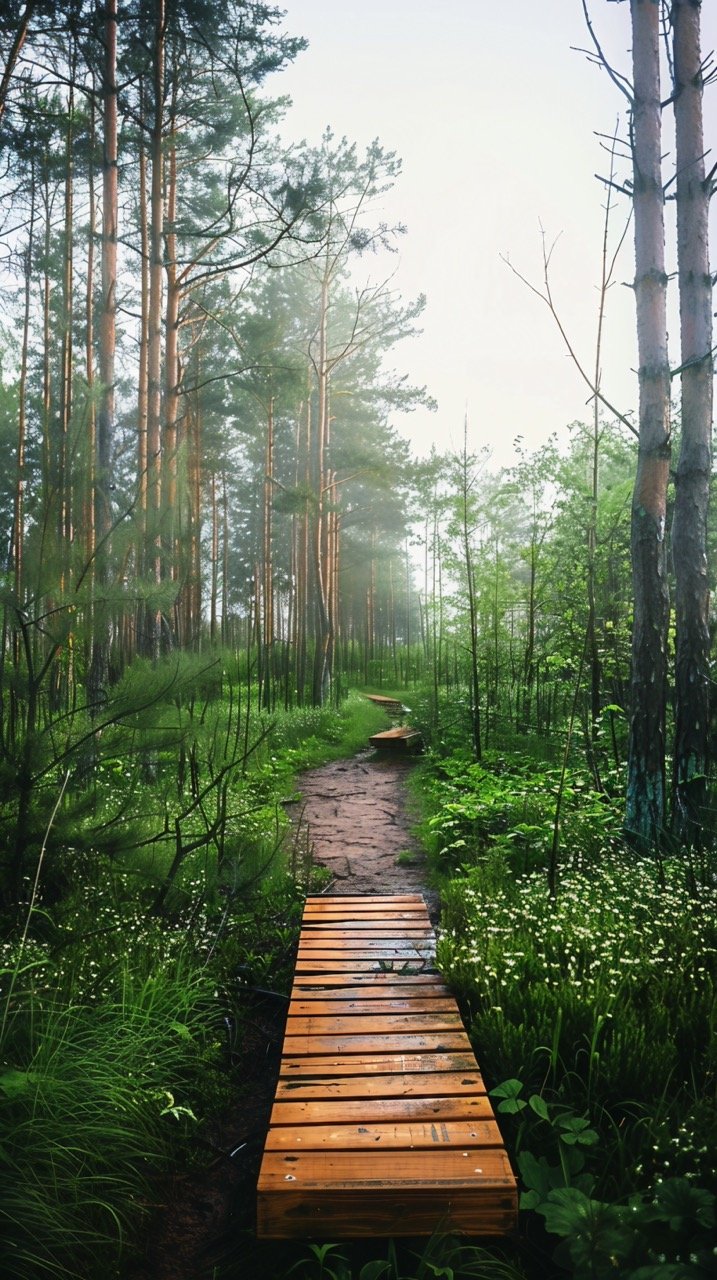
[[402, 738], [381, 1125]]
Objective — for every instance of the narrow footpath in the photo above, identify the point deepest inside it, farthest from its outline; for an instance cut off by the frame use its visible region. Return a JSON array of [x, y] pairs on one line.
[[356, 816]]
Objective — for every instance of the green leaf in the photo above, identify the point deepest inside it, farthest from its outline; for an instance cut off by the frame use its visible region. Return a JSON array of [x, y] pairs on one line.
[[539, 1106], [538, 1175], [678, 1201], [564, 1210], [509, 1090], [529, 1199]]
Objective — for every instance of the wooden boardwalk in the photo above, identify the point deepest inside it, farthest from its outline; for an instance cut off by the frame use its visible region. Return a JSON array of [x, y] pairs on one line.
[[390, 705], [399, 739], [381, 1125]]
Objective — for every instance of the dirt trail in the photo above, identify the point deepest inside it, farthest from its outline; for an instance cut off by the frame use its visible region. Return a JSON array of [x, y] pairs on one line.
[[357, 816]]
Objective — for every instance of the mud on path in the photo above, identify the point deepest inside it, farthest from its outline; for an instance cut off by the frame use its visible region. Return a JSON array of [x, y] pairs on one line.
[[356, 816]]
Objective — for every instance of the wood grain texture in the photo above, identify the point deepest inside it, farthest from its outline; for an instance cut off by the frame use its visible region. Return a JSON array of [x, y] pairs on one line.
[[381, 1124], [371, 1135]]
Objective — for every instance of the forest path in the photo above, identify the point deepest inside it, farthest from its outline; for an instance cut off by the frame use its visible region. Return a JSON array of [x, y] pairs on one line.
[[356, 815]]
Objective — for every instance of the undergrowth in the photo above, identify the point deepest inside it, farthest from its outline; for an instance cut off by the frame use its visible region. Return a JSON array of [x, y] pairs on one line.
[[592, 1009], [160, 886]]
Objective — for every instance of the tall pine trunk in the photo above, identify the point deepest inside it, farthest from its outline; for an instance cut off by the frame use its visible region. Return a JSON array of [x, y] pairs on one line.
[[102, 519], [645, 803], [153, 551], [689, 528]]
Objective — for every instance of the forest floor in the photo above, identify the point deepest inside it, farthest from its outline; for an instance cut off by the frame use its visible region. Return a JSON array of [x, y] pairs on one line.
[[355, 815]]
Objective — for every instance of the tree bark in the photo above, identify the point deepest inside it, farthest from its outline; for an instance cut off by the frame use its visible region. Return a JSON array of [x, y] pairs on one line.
[[645, 803], [102, 517], [689, 527], [154, 340]]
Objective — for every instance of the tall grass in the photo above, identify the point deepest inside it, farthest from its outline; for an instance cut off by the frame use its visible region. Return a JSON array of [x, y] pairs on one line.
[[93, 1091]]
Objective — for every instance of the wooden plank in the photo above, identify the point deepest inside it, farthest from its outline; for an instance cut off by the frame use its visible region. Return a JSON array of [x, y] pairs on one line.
[[393, 1085], [383, 1169], [334, 1064], [374, 909], [431, 989], [401, 732], [377, 983], [346, 947], [375, 1023], [414, 1137], [395, 739], [365, 901], [398, 1004], [411, 1042], [467, 1106], [370, 967], [388, 932]]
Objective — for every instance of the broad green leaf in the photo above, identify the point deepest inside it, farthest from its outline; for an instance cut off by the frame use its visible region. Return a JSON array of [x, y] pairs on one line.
[[539, 1106]]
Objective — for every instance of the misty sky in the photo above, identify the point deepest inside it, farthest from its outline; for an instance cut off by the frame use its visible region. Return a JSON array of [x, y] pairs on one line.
[[495, 118]]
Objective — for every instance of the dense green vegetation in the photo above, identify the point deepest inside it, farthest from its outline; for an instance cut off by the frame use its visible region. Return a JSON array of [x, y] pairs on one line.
[[125, 983], [592, 1010]]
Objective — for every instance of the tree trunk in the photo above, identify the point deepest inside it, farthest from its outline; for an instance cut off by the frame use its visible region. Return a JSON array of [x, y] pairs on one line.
[[106, 353], [689, 527], [64, 484], [645, 805], [172, 373], [154, 341], [268, 567], [18, 523]]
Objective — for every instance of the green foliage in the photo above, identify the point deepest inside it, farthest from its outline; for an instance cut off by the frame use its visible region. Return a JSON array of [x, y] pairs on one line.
[[442, 1256], [124, 1009], [501, 810], [594, 1009]]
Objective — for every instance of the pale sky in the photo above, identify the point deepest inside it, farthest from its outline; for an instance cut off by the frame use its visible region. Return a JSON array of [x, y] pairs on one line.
[[494, 116]]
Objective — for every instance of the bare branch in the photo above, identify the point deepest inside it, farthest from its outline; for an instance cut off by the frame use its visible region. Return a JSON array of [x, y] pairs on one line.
[[545, 296], [619, 80]]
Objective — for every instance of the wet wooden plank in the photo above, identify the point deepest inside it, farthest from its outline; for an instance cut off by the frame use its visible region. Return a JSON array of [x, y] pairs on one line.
[[318, 1006], [394, 1084], [380, 964], [383, 933], [392, 987], [378, 1023], [375, 982], [467, 1106], [411, 1042], [381, 1124], [372, 1135], [333, 1065]]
